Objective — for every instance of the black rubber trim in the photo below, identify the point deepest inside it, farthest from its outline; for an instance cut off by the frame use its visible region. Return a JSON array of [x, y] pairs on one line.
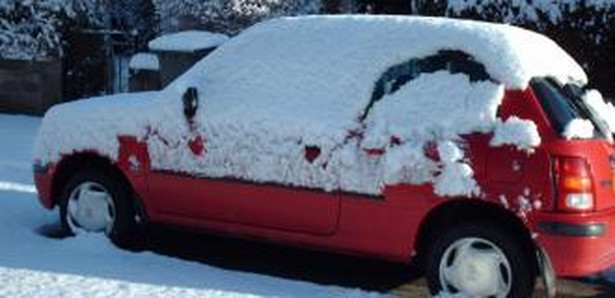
[[354, 195], [568, 229]]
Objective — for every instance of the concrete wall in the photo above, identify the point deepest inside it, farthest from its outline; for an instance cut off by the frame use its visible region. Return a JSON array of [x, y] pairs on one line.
[[29, 87]]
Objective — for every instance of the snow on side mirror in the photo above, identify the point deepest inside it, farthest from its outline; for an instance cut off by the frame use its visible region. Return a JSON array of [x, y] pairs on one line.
[[190, 100]]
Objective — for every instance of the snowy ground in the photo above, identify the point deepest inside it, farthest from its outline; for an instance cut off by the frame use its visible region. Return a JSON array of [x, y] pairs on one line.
[[32, 265]]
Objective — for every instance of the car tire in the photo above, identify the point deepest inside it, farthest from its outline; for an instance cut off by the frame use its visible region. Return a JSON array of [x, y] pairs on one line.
[[95, 200], [479, 260]]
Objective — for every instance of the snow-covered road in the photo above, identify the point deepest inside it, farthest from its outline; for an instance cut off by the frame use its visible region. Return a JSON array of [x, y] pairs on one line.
[[32, 265]]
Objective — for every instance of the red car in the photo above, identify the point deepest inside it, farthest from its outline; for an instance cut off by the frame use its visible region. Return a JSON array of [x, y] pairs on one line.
[[468, 146]]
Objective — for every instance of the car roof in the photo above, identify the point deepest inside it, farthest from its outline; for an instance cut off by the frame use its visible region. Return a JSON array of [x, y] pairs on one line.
[[321, 70]]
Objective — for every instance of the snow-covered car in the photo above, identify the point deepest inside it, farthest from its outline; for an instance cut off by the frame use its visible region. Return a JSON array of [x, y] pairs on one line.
[[473, 147]]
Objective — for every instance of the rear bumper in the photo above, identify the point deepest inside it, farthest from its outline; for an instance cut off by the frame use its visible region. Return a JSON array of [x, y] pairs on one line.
[[578, 244], [43, 176]]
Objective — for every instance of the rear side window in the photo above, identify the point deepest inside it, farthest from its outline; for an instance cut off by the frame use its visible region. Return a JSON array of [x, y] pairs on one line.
[[560, 106], [556, 105]]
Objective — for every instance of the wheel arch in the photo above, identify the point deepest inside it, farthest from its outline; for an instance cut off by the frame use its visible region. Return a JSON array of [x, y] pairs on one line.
[[72, 164], [457, 211]]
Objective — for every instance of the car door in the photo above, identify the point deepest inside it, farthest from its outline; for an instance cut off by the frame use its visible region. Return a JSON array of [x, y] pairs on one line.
[[218, 188]]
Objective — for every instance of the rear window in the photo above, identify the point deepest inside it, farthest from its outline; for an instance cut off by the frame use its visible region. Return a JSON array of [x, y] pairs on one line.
[[560, 106]]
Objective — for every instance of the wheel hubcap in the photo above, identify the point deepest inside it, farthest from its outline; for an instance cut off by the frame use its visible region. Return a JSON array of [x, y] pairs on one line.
[[90, 209], [475, 267]]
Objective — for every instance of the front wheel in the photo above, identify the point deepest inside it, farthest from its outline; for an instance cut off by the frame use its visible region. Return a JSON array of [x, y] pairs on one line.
[[479, 260], [95, 201]]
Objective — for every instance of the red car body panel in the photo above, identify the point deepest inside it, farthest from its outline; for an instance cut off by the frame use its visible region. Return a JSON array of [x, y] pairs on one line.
[[578, 255], [43, 180], [264, 205], [385, 226]]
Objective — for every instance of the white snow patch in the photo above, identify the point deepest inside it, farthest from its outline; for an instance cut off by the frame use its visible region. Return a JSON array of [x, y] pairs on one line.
[[15, 186], [578, 129], [187, 41], [504, 201], [515, 131], [96, 123], [605, 110], [25, 283], [524, 205], [456, 177], [408, 163], [146, 61]]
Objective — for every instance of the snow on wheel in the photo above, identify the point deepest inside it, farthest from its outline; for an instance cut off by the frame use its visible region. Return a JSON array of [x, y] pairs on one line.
[[90, 208], [95, 201], [475, 266], [478, 260]]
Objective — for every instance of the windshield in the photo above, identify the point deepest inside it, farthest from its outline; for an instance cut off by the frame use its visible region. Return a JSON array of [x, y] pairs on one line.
[[564, 103]]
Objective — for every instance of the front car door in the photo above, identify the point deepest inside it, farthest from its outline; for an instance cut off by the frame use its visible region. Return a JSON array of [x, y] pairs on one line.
[[232, 171]]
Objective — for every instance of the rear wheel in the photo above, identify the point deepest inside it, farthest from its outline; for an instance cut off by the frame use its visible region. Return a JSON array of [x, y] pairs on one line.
[[95, 201], [479, 260]]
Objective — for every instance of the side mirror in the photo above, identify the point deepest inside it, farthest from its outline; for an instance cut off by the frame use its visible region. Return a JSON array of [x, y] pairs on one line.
[[190, 100]]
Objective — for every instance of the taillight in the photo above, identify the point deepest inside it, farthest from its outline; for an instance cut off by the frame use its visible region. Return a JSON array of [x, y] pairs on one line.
[[574, 184]]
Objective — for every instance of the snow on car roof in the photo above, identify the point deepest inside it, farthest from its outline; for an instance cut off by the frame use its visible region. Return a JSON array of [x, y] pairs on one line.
[[187, 41], [511, 55], [325, 67]]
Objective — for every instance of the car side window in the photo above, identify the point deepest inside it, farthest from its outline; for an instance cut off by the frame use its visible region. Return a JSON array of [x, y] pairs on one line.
[[398, 75], [561, 107]]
